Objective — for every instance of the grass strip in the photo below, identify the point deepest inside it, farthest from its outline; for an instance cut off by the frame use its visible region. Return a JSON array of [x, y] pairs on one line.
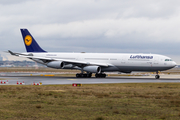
[[91, 102]]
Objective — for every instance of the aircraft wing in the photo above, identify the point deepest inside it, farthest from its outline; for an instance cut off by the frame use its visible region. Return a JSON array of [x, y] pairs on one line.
[[15, 54], [55, 59], [67, 61]]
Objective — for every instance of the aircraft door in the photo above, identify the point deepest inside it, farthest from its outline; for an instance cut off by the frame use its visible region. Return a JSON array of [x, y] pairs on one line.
[[123, 62], [156, 61]]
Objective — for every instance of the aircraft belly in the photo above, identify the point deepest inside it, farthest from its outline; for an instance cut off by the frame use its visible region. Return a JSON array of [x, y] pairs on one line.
[[143, 68], [109, 69]]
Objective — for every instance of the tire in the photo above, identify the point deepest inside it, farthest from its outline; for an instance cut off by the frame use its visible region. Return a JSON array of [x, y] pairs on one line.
[[84, 75], [100, 75], [157, 76], [104, 75], [89, 75], [97, 75], [78, 75]]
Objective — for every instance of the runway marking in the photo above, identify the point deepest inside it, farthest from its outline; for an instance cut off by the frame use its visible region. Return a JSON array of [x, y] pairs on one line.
[[71, 79], [11, 78], [66, 79]]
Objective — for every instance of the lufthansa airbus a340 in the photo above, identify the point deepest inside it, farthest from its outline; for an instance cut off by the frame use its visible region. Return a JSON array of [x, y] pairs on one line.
[[97, 63]]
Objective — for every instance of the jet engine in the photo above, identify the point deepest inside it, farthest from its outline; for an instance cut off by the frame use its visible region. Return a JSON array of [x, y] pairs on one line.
[[56, 64], [92, 69]]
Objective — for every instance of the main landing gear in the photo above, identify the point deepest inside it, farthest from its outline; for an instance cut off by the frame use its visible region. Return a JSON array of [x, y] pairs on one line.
[[101, 75], [82, 75], [89, 75], [157, 76]]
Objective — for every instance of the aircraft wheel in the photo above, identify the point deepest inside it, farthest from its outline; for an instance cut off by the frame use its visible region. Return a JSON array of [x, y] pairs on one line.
[[157, 76], [89, 75], [96, 75], [100, 75], [104, 75], [84, 75], [78, 75]]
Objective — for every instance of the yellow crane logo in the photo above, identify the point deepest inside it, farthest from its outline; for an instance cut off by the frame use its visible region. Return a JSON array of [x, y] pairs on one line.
[[28, 40]]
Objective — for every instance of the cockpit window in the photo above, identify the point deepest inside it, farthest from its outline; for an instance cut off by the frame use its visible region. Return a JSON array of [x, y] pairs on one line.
[[168, 59]]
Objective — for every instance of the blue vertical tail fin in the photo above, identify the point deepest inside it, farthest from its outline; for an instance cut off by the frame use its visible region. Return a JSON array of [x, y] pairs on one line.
[[29, 42]]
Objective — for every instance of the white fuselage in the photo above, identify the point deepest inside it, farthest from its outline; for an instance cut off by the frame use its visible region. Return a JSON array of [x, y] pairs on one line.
[[117, 61]]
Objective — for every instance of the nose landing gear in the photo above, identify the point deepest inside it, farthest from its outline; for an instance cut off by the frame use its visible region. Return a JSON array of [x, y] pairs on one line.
[[157, 76]]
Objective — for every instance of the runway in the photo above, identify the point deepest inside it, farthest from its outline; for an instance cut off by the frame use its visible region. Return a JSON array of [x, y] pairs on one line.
[[46, 80]]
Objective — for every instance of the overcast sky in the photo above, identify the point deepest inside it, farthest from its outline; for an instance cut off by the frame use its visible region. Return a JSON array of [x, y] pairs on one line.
[[121, 26]]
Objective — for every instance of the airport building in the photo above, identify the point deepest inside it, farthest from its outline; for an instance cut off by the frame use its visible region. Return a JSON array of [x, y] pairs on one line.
[[24, 63]]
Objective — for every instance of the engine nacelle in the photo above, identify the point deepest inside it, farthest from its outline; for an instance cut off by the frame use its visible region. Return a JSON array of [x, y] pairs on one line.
[[92, 69], [68, 66], [56, 64]]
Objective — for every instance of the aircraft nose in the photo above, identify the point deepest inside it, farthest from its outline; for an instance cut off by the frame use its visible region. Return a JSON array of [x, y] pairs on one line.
[[174, 64]]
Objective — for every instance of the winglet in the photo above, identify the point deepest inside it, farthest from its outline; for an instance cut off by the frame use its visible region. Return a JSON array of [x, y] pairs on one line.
[[30, 43], [12, 53]]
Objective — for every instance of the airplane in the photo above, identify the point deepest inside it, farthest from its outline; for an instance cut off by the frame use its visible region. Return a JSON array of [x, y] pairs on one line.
[[97, 63]]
